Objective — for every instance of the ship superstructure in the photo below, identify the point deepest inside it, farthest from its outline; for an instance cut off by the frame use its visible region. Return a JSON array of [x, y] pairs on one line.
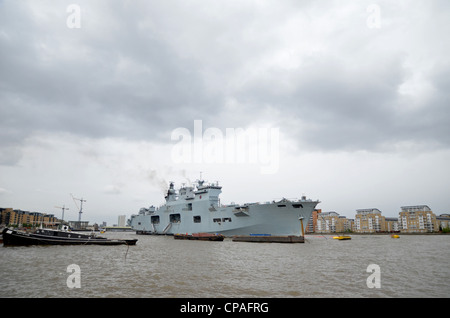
[[197, 208]]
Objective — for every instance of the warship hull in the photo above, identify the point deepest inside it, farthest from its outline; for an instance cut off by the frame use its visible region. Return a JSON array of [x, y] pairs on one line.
[[200, 211]]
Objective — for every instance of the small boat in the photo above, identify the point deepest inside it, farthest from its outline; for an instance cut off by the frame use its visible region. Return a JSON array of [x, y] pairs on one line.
[[63, 236], [342, 237], [199, 237], [395, 236]]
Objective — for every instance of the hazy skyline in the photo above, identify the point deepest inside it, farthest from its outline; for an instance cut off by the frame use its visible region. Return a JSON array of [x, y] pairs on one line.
[[89, 100]]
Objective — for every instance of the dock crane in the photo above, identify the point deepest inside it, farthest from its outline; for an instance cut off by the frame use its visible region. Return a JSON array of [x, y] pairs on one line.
[[62, 208], [81, 206]]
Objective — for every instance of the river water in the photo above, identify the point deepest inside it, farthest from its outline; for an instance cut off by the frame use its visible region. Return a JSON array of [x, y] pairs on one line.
[[159, 266]]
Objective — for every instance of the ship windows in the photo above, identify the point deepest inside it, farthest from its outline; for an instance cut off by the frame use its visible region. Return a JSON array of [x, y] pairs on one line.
[[197, 219], [281, 205], [219, 220], [297, 205], [175, 218], [155, 219]]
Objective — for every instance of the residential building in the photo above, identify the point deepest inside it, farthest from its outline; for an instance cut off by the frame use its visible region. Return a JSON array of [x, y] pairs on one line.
[[326, 222], [417, 219], [392, 224], [10, 216], [312, 223], [330, 222], [369, 221], [347, 224], [443, 221]]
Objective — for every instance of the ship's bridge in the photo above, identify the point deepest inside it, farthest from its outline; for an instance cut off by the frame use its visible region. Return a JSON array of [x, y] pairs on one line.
[[200, 192], [209, 192]]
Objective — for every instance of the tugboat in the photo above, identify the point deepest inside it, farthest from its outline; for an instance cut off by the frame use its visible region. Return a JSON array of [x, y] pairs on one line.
[[63, 236]]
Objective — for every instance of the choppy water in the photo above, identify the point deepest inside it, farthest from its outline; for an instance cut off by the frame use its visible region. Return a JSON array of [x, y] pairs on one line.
[[159, 266]]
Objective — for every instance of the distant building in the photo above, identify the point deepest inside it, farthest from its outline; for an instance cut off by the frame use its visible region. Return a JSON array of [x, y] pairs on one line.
[[79, 225], [347, 224], [312, 223], [369, 221], [443, 221], [121, 220], [12, 217], [332, 222], [417, 219], [327, 222], [392, 225]]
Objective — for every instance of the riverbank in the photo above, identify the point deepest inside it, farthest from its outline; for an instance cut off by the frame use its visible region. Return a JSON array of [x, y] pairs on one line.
[[378, 233]]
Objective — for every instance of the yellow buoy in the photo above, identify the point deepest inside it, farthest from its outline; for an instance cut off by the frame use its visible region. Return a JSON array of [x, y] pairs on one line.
[[395, 236], [342, 237]]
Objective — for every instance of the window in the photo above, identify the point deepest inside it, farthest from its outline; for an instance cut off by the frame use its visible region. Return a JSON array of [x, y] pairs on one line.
[[175, 218], [197, 219], [154, 219]]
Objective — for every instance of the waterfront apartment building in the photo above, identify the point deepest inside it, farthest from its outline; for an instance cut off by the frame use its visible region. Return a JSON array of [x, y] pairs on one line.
[[347, 224], [412, 219], [369, 221], [392, 224], [417, 219], [10, 216], [327, 222], [332, 222], [312, 223], [443, 221]]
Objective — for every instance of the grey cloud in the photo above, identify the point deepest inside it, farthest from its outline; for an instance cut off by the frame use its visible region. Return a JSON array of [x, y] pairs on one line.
[[138, 70]]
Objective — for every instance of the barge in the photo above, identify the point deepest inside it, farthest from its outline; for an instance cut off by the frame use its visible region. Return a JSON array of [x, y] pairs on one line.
[[199, 237], [269, 239]]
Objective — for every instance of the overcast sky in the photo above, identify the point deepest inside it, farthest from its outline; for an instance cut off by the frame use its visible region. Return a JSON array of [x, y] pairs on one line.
[[91, 93]]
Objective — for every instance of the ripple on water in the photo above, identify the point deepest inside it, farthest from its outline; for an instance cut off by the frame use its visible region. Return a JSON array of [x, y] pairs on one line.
[[158, 266]]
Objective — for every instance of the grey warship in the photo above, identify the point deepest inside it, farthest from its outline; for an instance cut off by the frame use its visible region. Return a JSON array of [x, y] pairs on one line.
[[197, 209]]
